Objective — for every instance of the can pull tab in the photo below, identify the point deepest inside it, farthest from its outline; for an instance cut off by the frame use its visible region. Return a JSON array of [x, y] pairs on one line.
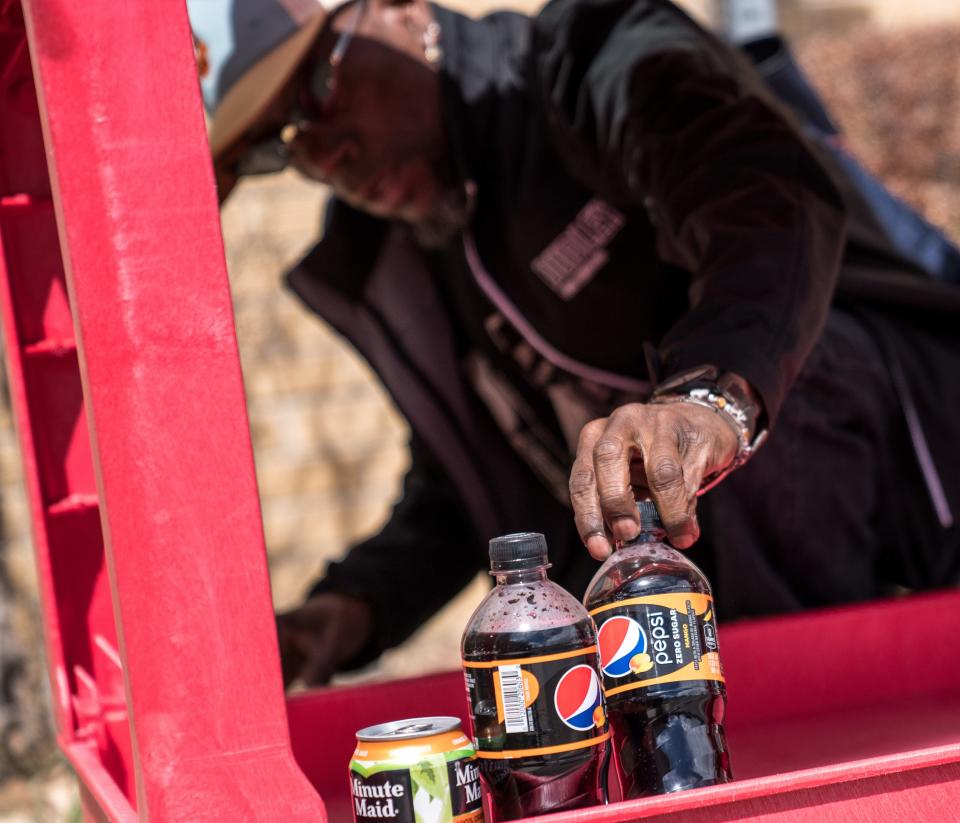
[[415, 729]]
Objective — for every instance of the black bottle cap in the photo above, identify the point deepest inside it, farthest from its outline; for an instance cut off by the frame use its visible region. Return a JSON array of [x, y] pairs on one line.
[[649, 517], [514, 552]]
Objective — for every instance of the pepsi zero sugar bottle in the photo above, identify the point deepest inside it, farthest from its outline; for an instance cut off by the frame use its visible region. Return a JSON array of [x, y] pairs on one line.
[[530, 662], [660, 665]]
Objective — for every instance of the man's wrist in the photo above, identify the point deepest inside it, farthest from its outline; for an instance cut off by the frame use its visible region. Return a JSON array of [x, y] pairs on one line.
[[727, 395], [727, 384]]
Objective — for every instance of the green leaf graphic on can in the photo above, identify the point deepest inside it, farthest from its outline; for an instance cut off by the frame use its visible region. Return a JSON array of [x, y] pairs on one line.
[[431, 791]]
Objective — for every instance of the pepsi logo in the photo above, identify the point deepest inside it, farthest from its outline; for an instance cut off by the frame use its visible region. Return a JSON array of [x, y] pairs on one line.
[[620, 639], [578, 697]]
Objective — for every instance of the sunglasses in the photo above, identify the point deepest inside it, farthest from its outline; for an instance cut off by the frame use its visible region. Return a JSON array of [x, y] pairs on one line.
[[317, 86]]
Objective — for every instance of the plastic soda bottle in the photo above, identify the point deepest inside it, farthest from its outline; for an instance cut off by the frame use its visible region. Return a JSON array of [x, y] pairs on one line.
[[660, 664], [530, 663]]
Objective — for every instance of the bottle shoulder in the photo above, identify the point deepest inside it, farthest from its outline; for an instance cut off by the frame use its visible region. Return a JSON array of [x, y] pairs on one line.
[[645, 568], [509, 613]]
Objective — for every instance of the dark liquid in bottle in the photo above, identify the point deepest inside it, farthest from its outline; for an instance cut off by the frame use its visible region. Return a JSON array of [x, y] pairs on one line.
[[666, 744]]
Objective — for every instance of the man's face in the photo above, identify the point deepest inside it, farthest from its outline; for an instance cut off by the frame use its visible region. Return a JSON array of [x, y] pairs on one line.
[[379, 141]]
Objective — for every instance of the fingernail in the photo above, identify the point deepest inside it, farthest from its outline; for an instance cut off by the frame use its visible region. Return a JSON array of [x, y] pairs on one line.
[[624, 528], [599, 547]]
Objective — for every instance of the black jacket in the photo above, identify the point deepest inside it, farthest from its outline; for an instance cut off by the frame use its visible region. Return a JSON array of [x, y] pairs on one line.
[[643, 206]]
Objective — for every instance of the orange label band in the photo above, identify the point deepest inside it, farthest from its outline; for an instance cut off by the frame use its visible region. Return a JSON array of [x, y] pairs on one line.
[[709, 670], [513, 754], [674, 600], [526, 661]]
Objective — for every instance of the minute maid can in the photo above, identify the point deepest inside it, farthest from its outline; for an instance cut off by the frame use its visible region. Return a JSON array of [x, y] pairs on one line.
[[421, 770]]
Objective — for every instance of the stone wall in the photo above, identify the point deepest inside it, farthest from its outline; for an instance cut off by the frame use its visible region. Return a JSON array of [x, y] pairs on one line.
[[330, 448]]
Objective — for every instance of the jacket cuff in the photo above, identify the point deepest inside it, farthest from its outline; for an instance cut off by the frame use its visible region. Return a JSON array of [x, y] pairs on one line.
[[769, 380]]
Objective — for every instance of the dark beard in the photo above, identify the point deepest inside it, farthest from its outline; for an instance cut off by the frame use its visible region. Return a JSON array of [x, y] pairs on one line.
[[449, 217]]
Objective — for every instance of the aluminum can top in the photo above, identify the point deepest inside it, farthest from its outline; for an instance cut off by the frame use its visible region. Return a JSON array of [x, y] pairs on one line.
[[410, 729]]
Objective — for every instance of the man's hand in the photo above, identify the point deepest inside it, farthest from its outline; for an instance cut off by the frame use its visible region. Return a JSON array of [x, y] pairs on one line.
[[663, 451], [321, 635]]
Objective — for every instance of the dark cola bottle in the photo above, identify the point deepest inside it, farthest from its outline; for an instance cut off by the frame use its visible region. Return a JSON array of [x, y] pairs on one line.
[[660, 664], [530, 661]]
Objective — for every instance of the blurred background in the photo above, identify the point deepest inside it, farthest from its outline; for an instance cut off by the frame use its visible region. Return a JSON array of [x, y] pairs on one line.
[[330, 448]]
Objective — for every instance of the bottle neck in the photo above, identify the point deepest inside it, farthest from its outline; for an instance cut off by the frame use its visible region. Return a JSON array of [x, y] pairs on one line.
[[651, 536], [512, 578]]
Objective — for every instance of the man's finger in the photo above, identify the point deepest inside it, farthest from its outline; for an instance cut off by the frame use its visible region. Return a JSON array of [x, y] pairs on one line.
[[670, 490], [612, 454], [583, 494], [291, 653], [319, 666], [305, 642], [321, 655]]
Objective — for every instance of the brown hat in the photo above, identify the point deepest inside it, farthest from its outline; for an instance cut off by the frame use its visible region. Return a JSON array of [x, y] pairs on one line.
[[251, 49]]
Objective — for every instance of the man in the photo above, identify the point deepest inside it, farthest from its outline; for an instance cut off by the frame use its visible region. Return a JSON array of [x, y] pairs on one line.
[[592, 257]]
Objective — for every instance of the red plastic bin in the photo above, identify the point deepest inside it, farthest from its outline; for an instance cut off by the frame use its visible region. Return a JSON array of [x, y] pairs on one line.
[[125, 382], [842, 714]]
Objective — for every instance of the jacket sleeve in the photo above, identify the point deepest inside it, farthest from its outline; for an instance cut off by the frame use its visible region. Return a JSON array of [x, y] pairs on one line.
[[647, 108], [421, 559]]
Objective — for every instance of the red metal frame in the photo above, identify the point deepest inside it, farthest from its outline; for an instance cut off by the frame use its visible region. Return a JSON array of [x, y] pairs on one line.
[[126, 385]]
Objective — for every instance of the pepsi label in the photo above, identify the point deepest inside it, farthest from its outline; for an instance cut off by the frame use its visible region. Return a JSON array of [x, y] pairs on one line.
[[531, 706], [664, 638]]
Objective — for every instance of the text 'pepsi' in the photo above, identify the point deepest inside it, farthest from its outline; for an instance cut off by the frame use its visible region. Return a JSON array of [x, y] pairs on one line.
[[531, 666], [660, 663], [422, 770]]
